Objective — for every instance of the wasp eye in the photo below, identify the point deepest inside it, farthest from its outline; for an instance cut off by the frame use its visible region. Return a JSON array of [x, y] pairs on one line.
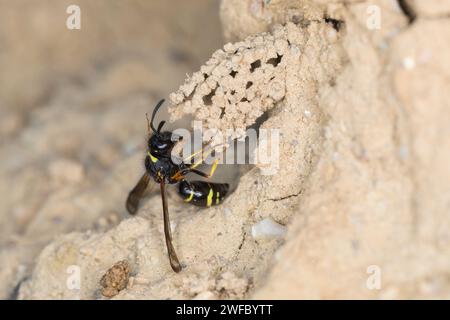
[[160, 145]]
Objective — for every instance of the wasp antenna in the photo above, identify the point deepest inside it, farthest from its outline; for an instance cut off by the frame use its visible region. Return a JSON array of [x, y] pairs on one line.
[[161, 124], [154, 114], [149, 127]]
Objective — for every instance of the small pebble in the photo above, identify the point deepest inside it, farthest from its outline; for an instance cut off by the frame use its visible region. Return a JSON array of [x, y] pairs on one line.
[[115, 279], [267, 228], [409, 63]]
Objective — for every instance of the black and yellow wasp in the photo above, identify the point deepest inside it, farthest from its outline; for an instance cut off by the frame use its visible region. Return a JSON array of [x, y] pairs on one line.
[[160, 167]]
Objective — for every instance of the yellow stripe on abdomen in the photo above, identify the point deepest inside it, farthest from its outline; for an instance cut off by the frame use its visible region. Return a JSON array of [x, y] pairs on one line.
[[209, 198], [190, 197]]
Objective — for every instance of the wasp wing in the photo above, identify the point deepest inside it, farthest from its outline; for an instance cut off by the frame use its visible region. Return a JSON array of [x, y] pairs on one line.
[[136, 194]]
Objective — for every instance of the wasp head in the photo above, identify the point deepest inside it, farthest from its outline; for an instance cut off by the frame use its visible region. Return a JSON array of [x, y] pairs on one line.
[[161, 144]]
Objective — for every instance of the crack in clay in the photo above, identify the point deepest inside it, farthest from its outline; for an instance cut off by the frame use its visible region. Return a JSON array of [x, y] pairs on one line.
[[337, 24], [242, 241], [407, 10], [285, 197]]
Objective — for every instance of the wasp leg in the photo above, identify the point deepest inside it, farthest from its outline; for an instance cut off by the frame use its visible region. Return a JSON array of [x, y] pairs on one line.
[[206, 151], [135, 195], [202, 193], [174, 263], [201, 173]]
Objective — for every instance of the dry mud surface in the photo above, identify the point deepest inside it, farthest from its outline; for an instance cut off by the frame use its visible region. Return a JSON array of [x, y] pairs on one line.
[[363, 178]]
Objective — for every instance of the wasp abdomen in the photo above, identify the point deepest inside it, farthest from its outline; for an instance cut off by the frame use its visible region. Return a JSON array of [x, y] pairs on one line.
[[202, 193]]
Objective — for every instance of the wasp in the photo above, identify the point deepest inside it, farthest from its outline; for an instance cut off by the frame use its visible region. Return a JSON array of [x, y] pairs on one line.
[[160, 167]]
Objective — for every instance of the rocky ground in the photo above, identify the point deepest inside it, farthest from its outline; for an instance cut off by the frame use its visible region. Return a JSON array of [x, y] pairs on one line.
[[358, 208]]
